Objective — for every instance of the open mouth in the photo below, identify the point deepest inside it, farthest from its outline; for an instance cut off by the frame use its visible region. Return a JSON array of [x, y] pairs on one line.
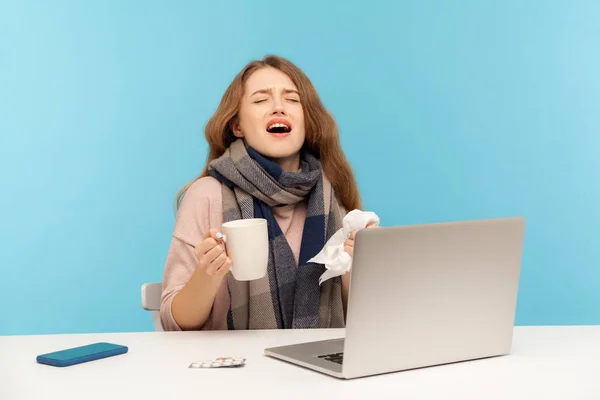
[[279, 126]]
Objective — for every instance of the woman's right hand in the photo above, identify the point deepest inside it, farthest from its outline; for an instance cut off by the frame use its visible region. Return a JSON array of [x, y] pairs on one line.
[[212, 257]]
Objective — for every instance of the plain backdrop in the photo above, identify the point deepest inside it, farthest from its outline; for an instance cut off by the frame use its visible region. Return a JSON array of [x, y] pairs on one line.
[[447, 111]]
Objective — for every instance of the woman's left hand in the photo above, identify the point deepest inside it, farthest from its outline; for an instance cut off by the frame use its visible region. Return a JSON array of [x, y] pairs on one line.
[[349, 243]]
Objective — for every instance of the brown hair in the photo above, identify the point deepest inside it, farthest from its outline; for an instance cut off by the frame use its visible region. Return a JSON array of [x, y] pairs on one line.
[[322, 138]]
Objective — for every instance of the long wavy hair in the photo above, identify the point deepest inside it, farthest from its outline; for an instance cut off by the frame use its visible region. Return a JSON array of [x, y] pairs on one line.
[[322, 137]]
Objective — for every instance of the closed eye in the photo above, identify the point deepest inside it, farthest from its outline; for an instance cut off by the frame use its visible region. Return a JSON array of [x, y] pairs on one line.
[[260, 101], [294, 100]]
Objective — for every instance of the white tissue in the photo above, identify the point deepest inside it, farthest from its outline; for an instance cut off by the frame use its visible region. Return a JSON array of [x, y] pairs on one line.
[[333, 256]]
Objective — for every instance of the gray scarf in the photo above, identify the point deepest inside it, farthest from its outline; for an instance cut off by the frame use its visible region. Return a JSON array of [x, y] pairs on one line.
[[289, 296]]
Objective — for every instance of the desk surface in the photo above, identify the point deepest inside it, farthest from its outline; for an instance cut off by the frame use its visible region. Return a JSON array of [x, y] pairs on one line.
[[545, 363]]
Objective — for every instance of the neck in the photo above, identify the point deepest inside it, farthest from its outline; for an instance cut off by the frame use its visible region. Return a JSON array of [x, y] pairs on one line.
[[289, 164]]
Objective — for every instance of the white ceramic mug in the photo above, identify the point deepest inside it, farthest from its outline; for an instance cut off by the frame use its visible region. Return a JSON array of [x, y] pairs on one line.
[[247, 245]]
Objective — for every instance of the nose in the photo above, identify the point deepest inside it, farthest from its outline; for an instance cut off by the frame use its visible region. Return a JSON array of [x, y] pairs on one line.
[[278, 106]]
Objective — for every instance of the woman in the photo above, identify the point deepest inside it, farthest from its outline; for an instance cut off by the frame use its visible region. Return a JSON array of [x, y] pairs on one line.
[[274, 154]]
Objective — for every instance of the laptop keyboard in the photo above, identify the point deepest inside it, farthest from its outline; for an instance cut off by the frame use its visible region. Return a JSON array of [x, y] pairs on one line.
[[334, 357]]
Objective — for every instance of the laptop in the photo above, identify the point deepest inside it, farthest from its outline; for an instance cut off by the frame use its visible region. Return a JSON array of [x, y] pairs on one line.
[[421, 296]]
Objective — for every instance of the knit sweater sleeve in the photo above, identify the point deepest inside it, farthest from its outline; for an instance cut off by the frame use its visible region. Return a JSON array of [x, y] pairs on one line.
[[200, 210]]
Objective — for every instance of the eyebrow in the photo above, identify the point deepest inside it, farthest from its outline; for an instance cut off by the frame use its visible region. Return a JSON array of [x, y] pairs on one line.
[[269, 91]]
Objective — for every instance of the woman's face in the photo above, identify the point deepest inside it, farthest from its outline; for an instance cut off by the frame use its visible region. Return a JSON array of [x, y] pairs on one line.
[[271, 118]]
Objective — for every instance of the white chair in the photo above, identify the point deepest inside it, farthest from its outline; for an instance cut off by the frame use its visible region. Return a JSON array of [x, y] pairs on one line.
[[151, 294]]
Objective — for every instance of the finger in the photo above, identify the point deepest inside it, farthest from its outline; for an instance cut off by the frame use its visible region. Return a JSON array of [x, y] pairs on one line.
[[205, 246], [208, 257], [224, 269], [213, 254], [349, 243], [351, 235], [349, 250], [211, 234], [209, 241], [373, 225], [216, 264]]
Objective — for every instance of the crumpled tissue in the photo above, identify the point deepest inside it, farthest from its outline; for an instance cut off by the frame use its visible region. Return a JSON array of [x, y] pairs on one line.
[[333, 256]]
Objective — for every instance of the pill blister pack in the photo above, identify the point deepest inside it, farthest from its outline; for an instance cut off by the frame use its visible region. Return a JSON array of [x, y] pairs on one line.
[[221, 362]]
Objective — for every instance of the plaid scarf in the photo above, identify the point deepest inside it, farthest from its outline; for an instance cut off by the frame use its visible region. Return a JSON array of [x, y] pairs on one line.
[[289, 295]]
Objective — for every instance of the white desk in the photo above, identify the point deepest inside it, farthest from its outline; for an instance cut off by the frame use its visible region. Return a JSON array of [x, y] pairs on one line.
[[546, 363]]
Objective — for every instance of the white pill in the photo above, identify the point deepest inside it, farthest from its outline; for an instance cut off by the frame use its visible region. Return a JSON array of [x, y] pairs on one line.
[[195, 365]]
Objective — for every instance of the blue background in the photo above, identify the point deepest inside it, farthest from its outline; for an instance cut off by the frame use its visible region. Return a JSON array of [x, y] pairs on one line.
[[447, 111]]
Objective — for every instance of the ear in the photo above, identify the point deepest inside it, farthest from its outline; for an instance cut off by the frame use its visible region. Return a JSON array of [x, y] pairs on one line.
[[237, 130]]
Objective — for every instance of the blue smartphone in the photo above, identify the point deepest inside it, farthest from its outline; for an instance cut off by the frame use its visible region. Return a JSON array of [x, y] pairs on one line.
[[78, 355]]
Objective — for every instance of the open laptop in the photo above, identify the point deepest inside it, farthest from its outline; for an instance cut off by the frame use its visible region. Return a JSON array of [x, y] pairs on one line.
[[421, 296]]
